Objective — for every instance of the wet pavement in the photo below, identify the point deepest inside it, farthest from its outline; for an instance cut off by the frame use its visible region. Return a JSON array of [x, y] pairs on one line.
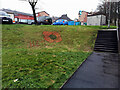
[[100, 70]]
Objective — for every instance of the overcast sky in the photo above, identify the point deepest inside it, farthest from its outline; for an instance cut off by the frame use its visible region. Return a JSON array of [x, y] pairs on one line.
[[53, 7]]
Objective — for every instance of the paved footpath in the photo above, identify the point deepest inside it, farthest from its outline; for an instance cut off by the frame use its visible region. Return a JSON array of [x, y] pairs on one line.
[[100, 70]]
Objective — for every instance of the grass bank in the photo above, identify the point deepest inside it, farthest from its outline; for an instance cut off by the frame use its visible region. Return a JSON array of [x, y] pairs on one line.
[[47, 64]]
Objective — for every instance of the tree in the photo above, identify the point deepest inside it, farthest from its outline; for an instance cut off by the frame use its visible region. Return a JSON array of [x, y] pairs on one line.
[[110, 10], [119, 17], [33, 3]]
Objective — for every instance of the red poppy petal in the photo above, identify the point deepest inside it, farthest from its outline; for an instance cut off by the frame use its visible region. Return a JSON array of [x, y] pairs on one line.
[[58, 39], [46, 33], [56, 34]]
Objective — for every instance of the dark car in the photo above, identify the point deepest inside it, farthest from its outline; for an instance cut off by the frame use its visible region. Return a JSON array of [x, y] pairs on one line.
[[4, 18], [44, 20]]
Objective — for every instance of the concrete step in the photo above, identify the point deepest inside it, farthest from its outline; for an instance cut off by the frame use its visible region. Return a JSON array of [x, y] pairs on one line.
[[110, 46], [115, 38], [106, 50], [106, 31], [107, 36], [106, 41]]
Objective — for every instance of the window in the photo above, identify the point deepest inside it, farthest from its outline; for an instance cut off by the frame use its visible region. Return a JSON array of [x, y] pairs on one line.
[[65, 20], [23, 20], [15, 19], [60, 20], [2, 13], [57, 21]]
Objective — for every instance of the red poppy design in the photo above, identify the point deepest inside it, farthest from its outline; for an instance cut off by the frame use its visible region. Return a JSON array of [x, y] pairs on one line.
[[52, 36]]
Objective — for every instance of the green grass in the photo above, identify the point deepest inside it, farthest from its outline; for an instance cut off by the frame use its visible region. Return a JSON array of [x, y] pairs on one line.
[[103, 27], [48, 65]]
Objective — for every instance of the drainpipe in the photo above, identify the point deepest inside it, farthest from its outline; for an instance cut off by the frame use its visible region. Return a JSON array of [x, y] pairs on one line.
[[101, 21]]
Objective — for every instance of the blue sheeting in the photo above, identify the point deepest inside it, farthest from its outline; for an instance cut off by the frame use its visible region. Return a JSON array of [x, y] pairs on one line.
[[71, 23], [74, 23], [77, 23]]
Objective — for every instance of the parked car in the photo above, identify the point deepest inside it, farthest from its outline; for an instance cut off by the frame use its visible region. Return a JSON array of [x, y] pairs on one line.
[[5, 18], [61, 22], [44, 20]]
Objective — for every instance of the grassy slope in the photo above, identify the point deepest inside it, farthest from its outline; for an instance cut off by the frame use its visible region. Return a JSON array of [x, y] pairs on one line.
[[48, 65]]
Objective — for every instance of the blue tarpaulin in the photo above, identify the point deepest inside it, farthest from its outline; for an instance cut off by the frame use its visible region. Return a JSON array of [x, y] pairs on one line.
[[71, 23], [77, 23], [74, 23]]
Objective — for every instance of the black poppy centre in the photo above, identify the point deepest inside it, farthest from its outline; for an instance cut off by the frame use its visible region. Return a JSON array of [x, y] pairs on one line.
[[52, 36]]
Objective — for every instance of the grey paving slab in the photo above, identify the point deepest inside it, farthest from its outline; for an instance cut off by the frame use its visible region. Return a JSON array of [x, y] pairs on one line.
[[100, 70]]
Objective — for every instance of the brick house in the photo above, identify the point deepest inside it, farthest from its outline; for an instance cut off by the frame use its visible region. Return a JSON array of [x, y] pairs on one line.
[[42, 13], [82, 17]]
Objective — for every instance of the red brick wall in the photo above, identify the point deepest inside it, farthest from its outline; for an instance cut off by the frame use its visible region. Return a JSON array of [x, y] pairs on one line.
[[83, 17], [43, 14], [20, 16]]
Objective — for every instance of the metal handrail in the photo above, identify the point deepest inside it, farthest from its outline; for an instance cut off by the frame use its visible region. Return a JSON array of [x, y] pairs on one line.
[[118, 26]]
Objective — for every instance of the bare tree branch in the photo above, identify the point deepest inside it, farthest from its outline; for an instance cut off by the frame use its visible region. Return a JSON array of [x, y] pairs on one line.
[[32, 3]]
